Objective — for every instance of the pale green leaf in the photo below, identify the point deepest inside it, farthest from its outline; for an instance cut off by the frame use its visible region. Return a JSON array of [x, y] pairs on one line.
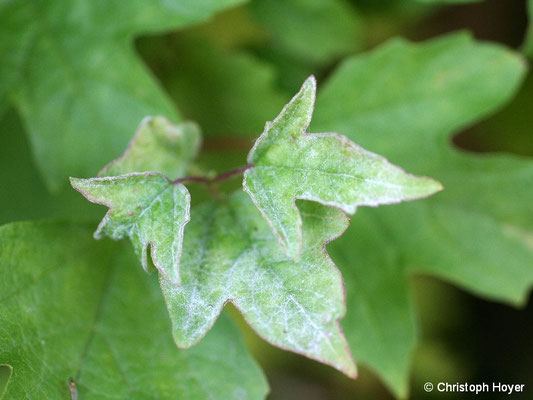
[[230, 254], [70, 69], [158, 146], [146, 207], [403, 100], [288, 164], [74, 308]]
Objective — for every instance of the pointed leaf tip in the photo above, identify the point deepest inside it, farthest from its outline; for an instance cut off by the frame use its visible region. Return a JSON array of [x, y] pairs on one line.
[[290, 164]]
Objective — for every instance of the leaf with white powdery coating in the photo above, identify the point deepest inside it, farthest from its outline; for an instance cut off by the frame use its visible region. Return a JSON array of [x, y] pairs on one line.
[[230, 254], [146, 207], [158, 146], [289, 164]]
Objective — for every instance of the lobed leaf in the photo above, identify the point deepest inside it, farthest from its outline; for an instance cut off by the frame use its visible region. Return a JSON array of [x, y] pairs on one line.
[[404, 100], [230, 255], [75, 79], [72, 309], [288, 164]]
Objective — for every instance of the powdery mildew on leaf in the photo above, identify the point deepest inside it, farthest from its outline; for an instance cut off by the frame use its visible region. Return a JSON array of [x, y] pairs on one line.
[[147, 208], [289, 164], [158, 146], [230, 254]]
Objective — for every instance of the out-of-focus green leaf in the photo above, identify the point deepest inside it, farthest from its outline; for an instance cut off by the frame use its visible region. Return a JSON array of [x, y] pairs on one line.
[[528, 43], [230, 254], [71, 307], [287, 163], [315, 30], [403, 101], [23, 195], [447, 1], [227, 92], [70, 70]]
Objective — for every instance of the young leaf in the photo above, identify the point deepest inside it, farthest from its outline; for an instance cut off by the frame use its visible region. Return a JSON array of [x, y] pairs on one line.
[[146, 207], [158, 146], [289, 164], [72, 309], [404, 100], [75, 79], [230, 255]]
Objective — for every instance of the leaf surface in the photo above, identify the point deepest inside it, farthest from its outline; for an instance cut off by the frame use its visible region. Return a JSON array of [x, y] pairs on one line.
[[317, 31], [228, 92], [404, 100], [72, 307], [528, 42], [70, 69], [230, 254], [146, 207], [289, 164], [158, 146]]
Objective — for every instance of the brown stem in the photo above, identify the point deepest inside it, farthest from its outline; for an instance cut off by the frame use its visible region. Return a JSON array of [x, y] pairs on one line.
[[221, 177]]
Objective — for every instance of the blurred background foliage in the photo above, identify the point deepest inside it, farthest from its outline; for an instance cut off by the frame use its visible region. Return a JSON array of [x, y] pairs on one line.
[[235, 72]]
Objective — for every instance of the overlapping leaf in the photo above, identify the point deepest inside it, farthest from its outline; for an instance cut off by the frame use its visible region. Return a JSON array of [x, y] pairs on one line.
[[70, 70], [288, 164], [158, 146], [230, 254], [403, 101], [147, 207], [74, 308]]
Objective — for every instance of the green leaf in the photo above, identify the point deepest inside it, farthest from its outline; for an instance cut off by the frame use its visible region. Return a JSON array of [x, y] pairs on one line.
[[23, 184], [227, 92], [158, 146], [229, 254], [289, 164], [315, 30], [71, 71], [146, 207], [528, 42], [404, 100], [74, 308]]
